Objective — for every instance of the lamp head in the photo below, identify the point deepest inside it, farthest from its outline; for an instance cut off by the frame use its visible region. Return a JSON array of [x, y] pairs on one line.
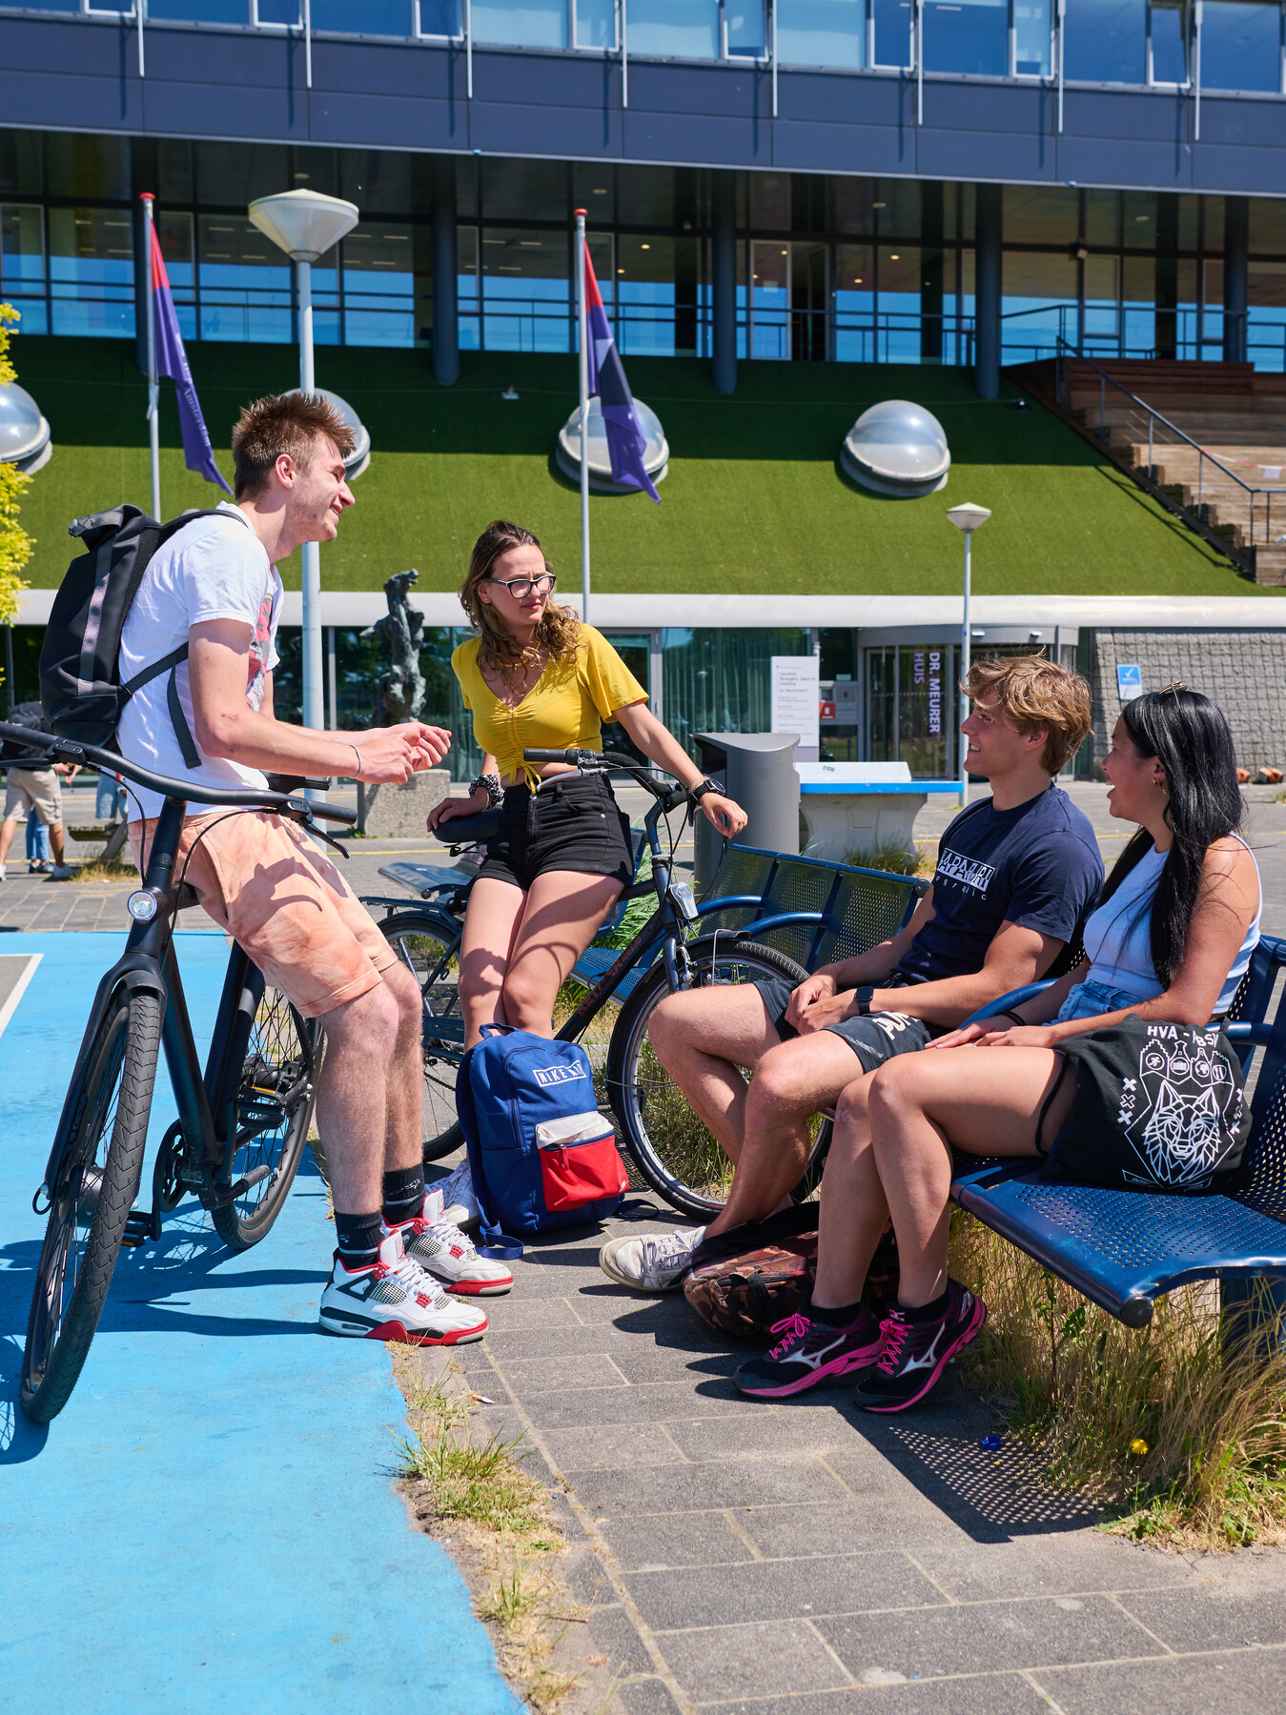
[[969, 517], [305, 224]]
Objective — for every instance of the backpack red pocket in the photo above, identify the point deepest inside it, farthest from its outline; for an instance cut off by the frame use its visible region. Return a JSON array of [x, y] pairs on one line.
[[579, 1162]]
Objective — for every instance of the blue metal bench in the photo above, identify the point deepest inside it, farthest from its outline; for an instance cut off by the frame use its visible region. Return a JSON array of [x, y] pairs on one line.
[[1125, 1249]]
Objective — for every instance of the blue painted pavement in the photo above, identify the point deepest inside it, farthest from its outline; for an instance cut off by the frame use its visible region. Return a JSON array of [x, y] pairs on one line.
[[210, 1525]]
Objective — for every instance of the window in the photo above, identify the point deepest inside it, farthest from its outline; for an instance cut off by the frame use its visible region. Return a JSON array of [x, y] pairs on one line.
[[893, 20], [379, 285], [91, 272], [678, 29], [198, 11], [745, 32], [770, 299], [440, 18], [246, 288], [822, 33], [277, 14], [969, 36], [1241, 45], [1107, 41], [531, 24], [369, 18], [1168, 32], [526, 290], [645, 295], [595, 24], [1033, 38], [22, 264]]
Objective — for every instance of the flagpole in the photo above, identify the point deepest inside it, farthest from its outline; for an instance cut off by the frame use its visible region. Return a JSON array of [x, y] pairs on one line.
[[153, 386], [583, 310]]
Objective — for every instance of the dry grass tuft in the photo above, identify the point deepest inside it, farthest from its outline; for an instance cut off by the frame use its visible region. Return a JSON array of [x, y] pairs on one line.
[[98, 872], [1182, 1440]]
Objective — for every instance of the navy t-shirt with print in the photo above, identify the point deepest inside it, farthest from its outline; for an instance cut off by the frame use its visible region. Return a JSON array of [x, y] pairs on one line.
[[1036, 865]]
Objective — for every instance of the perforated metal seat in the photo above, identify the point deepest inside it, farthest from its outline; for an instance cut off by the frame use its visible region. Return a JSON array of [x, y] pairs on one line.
[[1124, 1249]]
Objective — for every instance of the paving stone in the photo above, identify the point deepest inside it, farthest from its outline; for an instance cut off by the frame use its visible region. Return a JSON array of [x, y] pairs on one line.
[[697, 1488], [664, 1364], [844, 1528], [779, 1589], [768, 1431], [653, 1543], [587, 1579], [1247, 1683], [602, 1301], [529, 1379], [1214, 1616], [1062, 1565], [612, 1447], [647, 1697], [986, 1637], [514, 1312], [763, 1661], [655, 1404], [980, 1694], [613, 1635]]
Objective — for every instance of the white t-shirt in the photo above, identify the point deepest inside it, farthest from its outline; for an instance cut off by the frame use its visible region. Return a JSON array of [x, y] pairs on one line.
[[214, 568]]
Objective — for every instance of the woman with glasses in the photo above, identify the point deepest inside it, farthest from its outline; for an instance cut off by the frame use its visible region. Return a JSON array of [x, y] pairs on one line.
[[535, 677]]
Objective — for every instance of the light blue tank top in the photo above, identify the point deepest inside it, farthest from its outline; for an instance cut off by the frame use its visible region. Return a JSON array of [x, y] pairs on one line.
[[1118, 936]]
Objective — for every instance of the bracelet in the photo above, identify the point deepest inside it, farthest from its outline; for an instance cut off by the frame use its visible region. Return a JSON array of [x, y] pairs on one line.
[[1013, 1016], [490, 784], [357, 758]]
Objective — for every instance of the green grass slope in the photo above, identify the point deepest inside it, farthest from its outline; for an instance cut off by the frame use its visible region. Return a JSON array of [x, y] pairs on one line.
[[753, 504]]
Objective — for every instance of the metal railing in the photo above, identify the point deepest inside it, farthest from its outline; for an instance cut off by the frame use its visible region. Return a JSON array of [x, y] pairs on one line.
[[1157, 427]]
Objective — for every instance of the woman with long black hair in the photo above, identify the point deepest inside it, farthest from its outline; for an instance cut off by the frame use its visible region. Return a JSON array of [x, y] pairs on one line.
[[537, 678], [1169, 942]]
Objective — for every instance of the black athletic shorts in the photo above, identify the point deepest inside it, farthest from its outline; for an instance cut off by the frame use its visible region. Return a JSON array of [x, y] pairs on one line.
[[874, 1037], [572, 822]]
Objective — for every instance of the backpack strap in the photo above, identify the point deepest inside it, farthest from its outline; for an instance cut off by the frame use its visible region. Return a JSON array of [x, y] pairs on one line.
[[169, 664]]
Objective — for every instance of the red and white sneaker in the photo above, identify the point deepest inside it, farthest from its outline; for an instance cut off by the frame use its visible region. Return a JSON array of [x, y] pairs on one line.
[[442, 1249], [394, 1299]]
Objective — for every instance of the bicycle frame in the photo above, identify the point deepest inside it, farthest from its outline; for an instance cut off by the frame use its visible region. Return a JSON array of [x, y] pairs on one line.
[[205, 1101]]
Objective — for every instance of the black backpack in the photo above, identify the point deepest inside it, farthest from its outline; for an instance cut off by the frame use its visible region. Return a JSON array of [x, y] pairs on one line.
[[29, 715], [80, 686]]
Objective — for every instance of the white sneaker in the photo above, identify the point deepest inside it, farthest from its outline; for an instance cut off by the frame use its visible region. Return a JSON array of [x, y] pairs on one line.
[[61, 872], [439, 1247], [3, 876], [656, 1263], [394, 1299]]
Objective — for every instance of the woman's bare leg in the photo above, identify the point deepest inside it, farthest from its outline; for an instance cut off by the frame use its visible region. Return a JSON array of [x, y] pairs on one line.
[[985, 1100], [490, 923], [564, 910], [854, 1214]]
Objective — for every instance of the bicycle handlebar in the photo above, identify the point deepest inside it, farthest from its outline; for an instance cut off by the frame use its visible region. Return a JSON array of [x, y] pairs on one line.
[[599, 761], [71, 750]]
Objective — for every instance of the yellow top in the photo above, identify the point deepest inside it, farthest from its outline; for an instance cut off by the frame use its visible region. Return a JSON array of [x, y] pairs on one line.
[[566, 706]]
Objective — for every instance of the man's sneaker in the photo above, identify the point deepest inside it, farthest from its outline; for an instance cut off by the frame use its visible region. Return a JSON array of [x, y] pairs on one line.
[[394, 1299], [439, 1246], [913, 1355], [656, 1263], [809, 1353], [37, 866], [3, 875], [61, 872]]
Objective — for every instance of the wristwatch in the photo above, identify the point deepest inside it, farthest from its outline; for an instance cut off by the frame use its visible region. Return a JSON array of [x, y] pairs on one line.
[[698, 792], [862, 999]]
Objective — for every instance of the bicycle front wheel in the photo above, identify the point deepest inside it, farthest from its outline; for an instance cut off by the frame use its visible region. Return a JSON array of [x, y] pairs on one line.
[[427, 942], [97, 1182], [674, 1152], [273, 1103]]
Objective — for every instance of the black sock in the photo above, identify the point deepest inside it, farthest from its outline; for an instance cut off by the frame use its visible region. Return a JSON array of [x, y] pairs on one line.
[[357, 1238], [403, 1193], [835, 1315], [933, 1311]]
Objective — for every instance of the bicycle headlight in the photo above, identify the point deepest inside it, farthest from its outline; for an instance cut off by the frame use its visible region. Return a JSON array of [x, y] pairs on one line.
[[141, 905]]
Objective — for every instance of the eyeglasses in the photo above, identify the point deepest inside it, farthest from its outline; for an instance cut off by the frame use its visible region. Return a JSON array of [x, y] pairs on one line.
[[521, 588]]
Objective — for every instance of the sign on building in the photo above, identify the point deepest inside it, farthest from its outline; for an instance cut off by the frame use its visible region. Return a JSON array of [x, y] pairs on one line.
[[795, 698], [1129, 680]]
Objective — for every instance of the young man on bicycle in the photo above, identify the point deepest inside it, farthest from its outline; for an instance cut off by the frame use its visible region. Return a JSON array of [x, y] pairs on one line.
[[1017, 874], [214, 585]]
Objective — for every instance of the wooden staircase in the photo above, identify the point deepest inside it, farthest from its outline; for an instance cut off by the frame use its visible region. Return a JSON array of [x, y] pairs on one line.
[[1235, 496]]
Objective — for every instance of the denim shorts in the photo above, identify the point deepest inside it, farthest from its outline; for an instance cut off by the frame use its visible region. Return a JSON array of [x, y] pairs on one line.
[[1089, 999], [571, 823], [874, 1036]]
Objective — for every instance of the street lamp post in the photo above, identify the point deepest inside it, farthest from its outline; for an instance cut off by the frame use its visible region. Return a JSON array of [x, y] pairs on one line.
[[966, 518], [305, 224]]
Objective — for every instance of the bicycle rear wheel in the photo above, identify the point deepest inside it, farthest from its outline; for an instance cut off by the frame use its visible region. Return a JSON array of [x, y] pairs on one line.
[[427, 943], [96, 1185], [672, 1149], [274, 1103]]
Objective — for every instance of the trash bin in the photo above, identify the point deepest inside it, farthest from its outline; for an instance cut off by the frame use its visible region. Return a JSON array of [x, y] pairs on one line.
[[758, 770]]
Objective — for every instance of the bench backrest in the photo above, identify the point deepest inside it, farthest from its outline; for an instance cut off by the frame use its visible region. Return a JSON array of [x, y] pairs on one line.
[[859, 907], [1261, 1180]]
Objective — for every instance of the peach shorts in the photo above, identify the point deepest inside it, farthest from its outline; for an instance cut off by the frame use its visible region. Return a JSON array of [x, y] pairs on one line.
[[284, 903]]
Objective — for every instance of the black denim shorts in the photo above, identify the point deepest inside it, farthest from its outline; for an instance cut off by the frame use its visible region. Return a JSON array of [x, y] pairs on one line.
[[874, 1036], [572, 823]]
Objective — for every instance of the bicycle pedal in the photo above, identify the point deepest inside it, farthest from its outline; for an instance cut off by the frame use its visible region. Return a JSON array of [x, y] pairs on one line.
[[140, 1226], [229, 1194]]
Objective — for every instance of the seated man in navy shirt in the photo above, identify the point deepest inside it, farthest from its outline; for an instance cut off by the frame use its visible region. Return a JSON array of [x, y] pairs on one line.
[[1017, 874]]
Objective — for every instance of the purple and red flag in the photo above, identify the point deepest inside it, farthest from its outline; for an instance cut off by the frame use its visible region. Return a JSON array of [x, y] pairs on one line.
[[626, 441], [172, 360]]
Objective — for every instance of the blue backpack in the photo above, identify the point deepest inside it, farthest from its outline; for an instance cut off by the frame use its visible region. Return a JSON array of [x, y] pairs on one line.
[[541, 1156]]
